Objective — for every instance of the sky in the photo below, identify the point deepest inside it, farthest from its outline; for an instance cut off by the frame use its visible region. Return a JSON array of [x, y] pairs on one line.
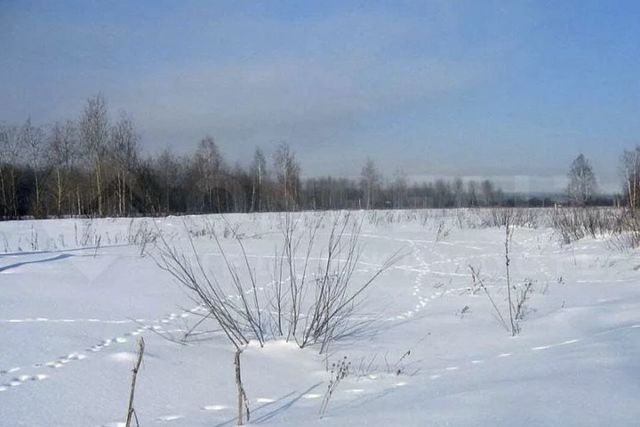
[[507, 90]]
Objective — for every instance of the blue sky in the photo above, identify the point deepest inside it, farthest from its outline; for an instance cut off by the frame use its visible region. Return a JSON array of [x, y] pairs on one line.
[[512, 90]]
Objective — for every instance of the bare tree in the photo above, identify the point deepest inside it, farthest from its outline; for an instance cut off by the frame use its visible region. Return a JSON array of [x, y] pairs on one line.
[[33, 141], [3, 165], [370, 180], [399, 189], [167, 169], [94, 130], [63, 155], [487, 192], [258, 176], [124, 152], [209, 167], [631, 174], [458, 192], [442, 194], [10, 150], [287, 172], [582, 181], [472, 193]]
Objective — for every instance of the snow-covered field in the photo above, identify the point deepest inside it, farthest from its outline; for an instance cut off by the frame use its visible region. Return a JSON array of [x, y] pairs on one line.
[[77, 294]]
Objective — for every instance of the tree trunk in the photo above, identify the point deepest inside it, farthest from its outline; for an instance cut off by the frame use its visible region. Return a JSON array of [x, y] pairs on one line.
[[99, 188], [5, 206], [78, 200], [14, 193], [253, 198], [59, 193], [37, 208]]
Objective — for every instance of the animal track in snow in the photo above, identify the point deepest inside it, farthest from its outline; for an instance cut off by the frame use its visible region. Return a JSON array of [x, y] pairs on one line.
[[541, 347], [76, 356], [451, 369], [167, 418], [214, 408], [46, 320], [422, 269], [21, 379], [9, 371], [311, 396]]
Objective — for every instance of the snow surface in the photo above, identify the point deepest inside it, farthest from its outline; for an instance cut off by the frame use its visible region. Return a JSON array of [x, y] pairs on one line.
[[77, 294]]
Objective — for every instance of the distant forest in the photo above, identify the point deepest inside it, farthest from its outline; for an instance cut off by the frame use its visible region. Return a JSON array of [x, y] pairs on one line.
[[93, 166]]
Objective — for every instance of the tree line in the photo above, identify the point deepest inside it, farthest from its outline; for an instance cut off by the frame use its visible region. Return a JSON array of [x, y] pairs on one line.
[[93, 166]]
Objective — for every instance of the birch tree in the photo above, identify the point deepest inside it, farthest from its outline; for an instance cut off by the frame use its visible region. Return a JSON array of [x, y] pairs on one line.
[[209, 165], [10, 150], [32, 140], [631, 176], [63, 157], [287, 171], [370, 180], [94, 130], [124, 153], [258, 175], [582, 182], [399, 189]]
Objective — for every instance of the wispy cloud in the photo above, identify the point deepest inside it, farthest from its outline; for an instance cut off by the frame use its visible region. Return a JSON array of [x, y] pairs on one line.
[[288, 93]]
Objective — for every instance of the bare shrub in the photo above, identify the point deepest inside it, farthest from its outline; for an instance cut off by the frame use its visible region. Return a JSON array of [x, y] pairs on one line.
[[519, 308], [442, 233], [327, 313], [308, 309], [630, 238], [577, 223], [141, 236], [516, 296], [508, 217], [522, 296], [237, 320], [376, 364], [478, 283], [339, 371], [518, 217], [573, 224]]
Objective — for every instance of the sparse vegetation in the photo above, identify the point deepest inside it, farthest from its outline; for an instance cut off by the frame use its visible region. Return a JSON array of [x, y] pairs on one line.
[[338, 372], [305, 308]]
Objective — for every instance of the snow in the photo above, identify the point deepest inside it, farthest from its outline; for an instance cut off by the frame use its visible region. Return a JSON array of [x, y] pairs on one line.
[[77, 294]]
